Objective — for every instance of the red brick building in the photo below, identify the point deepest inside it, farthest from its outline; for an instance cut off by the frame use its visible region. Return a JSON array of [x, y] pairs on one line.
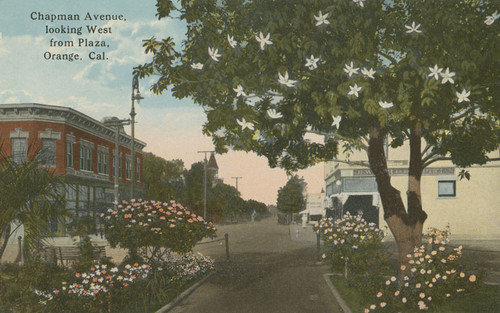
[[76, 146]]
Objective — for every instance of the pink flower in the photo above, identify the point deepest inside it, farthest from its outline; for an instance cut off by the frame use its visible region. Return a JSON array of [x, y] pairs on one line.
[[382, 304], [472, 278], [421, 305], [379, 294]]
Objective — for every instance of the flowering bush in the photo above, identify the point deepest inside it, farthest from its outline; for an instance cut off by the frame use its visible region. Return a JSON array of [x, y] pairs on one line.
[[110, 289], [141, 224], [99, 280], [352, 241], [434, 275], [189, 266]]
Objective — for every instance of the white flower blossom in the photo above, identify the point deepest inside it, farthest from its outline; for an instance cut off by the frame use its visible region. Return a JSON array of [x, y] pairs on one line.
[[214, 54], [239, 91], [350, 69], [492, 18], [385, 104], [231, 41], [274, 114], [368, 73], [359, 3], [463, 96], [354, 90], [414, 28], [312, 62], [284, 80], [321, 19], [435, 72], [263, 41], [447, 76], [197, 66], [336, 121], [244, 124]]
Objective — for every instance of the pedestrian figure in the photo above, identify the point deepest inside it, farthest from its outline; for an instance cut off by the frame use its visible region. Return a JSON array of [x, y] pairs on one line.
[[304, 220]]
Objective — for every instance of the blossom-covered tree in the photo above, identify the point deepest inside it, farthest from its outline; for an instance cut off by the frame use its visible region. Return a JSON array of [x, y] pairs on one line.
[[266, 72]]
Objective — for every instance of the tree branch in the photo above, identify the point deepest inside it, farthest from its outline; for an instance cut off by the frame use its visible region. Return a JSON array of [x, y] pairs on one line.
[[358, 144], [429, 156]]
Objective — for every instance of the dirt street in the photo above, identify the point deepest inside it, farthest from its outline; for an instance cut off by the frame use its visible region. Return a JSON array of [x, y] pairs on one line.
[[267, 272]]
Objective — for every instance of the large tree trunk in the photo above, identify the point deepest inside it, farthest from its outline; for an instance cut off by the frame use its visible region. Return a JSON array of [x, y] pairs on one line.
[[406, 227]]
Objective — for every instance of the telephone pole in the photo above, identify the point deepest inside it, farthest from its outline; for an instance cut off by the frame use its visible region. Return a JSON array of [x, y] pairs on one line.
[[236, 178]]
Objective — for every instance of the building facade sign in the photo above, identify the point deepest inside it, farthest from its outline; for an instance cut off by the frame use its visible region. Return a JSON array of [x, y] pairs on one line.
[[434, 171]]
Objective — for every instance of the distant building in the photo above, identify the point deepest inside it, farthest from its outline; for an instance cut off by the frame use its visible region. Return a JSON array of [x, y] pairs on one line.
[[471, 208], [76, 146], [213, 170], [315, 206]]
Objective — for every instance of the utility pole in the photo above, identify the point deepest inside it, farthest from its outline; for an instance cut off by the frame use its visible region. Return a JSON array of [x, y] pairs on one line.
[[236, 178], [205, 183], [136, 95]]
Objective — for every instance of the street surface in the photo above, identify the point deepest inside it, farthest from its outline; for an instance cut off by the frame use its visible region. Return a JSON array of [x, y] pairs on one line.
[[268, 272]]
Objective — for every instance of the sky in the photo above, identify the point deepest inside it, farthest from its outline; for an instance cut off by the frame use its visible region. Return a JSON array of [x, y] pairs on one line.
[[171, 128]]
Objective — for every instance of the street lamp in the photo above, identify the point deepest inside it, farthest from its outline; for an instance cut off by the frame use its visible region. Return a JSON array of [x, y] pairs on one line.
[[136, 95], [205, 183], [117, 123]]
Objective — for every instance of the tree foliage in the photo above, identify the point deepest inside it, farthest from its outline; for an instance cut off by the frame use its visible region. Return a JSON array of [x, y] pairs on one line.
[[194, 188], [163, 179], [225, 201], [30, 196], [453, 35], [291, 196]]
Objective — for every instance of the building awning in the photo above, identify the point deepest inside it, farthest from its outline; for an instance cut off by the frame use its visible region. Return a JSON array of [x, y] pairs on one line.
[[343, 197]]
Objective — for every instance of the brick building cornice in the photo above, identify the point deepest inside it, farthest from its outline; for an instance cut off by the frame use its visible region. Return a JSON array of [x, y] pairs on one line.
[[64, 115]]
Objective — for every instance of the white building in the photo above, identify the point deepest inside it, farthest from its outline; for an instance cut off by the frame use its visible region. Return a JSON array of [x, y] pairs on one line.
[[315, 206], [470, 207]]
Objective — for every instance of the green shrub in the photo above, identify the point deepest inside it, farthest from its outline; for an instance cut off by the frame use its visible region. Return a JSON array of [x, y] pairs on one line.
[[19, 281]]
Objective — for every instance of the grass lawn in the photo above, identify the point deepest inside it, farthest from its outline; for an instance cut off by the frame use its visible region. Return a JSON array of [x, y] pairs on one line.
[[485, 299]]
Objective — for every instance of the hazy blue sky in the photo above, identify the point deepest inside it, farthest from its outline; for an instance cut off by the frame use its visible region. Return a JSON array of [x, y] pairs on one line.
[[170, 127]]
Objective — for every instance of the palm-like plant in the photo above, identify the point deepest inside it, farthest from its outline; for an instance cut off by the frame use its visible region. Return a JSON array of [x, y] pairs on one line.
[[30, 196]]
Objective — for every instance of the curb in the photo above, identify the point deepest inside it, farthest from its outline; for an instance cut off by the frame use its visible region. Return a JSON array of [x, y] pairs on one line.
[[335, 293], [183, 295]]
